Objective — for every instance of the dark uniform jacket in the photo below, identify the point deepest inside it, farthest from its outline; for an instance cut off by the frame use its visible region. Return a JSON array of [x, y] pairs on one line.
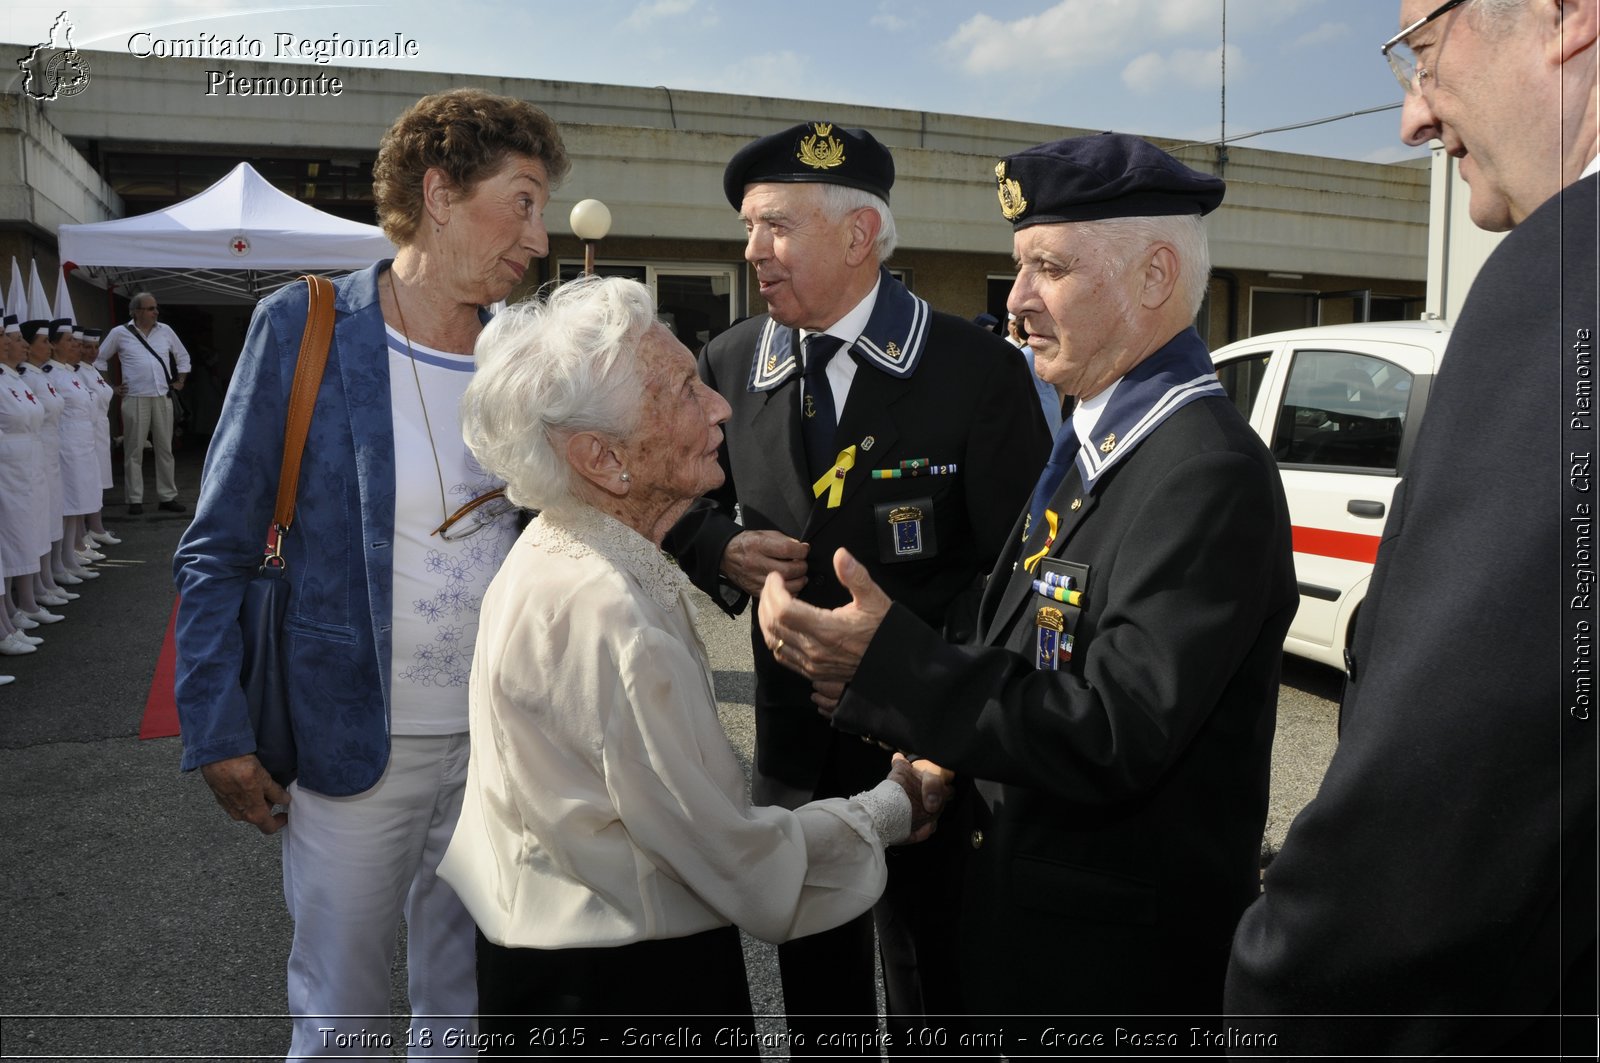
[[927, 385], [1447, 865], [1121, 798]]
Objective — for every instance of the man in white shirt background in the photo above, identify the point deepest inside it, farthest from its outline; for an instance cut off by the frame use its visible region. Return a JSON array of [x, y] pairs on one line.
[[155, 365]]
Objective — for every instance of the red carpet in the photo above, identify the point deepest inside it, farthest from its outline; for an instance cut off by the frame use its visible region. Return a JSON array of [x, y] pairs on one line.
[[160, 707]]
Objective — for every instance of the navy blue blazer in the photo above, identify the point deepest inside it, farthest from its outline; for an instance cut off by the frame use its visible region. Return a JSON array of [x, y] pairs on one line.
[[1442, 883], [1118, 803], [929, 386]]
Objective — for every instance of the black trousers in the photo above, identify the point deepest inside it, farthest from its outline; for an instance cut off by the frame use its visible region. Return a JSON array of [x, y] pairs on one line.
[[828, 982], [667, 998]]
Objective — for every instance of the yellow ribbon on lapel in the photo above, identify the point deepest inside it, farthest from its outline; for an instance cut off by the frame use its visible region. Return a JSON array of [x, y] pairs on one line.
[[831, 482], [1031, 562]]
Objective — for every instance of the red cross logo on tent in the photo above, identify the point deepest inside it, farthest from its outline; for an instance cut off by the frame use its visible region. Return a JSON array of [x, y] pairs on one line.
[[239, 245]]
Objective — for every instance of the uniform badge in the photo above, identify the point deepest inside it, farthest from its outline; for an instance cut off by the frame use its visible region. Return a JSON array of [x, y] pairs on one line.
[[1077, 504], [1052, 625], [1109, 443], [905, 524], [772, 362], [821, 151], [866, 444], [1012, 203], [811, 406]]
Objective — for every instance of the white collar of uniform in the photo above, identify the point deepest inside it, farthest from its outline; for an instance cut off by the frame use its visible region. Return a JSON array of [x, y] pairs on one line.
[[854, 323], [1592, 168], [1086, 415]]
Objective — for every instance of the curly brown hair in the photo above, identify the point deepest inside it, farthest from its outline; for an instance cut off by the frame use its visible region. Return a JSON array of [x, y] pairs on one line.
[[468, 134]]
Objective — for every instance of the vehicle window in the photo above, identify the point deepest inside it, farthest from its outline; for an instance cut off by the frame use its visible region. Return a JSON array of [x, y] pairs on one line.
[[1241, 378], [1342, 409]]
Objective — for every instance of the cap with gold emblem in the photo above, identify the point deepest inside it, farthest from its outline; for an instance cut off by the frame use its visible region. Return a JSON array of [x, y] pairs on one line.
[[811, 153], [1112, 175]]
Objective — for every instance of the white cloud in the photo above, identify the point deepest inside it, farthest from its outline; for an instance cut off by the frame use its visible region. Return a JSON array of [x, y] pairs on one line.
[[1073, 31], [1327, 33], [645, 14], [1144, 72], [1189, 68]]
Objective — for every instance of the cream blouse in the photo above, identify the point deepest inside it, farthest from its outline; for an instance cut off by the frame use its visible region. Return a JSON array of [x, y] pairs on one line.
[[603, 804]]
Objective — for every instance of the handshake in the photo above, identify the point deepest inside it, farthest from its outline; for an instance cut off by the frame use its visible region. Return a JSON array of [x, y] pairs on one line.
[[928, 787], [826, 646]]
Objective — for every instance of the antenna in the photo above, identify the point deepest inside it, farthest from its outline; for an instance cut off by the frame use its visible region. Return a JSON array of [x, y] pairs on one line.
[[1222, 141]]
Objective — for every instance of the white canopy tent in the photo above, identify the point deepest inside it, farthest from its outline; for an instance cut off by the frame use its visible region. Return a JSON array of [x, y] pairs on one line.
[[237, 241]]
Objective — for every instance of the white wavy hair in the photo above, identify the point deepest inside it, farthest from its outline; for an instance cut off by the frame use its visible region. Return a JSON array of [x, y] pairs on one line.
[[1129, 238], [549, 367]]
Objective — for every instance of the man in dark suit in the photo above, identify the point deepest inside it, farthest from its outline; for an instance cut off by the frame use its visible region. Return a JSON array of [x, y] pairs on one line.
[[862, 419], [1117, 710], [1442, 883]]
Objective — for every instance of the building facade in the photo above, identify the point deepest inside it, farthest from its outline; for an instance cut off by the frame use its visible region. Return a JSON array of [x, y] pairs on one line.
[[1299, 240]]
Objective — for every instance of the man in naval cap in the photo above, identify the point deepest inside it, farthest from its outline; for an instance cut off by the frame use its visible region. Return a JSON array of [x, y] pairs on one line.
[[1117, 707], [862, 419]]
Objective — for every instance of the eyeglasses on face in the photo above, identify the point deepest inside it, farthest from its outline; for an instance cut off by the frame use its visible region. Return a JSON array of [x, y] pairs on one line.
[[1402, 60]]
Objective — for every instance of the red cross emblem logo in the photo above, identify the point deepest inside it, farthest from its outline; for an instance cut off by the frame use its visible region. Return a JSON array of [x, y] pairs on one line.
[[239, 245]]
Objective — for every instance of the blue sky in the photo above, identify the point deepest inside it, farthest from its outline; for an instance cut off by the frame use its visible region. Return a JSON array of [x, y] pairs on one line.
[[1140, 66]]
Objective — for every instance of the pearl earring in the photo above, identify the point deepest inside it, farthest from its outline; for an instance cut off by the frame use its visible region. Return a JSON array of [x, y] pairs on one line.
[[627, 479]]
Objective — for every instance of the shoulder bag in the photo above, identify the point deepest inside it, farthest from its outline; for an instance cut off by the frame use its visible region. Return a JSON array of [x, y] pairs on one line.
[[266, 596], [169, 369]]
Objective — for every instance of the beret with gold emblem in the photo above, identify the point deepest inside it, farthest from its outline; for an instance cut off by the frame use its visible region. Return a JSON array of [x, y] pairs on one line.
[[811, 153], [1111, 175]]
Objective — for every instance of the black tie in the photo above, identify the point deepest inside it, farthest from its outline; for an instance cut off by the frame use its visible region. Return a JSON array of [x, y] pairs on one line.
[[818, 422], [1062, 455]]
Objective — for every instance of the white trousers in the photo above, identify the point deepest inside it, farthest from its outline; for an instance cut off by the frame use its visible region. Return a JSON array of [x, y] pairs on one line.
[[351, 867], [145, 416]]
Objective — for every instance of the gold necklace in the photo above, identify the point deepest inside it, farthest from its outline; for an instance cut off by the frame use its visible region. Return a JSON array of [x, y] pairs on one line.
[[411, 356]]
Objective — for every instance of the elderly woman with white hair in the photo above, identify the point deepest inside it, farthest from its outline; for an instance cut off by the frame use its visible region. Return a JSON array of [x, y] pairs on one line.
[[607, 847]]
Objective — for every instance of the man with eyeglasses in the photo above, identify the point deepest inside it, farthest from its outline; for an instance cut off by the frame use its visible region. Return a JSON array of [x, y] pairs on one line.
[[155, 365], [1438, 896]]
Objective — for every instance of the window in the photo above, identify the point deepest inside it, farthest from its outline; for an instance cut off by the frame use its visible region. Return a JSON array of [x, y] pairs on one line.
[[1344, 410], [998, 290], [694, 300], [1276, 310], [1241, 378]]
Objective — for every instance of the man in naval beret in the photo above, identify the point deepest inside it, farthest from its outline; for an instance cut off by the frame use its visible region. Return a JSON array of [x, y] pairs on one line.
[[862, 419], [1117, 707]]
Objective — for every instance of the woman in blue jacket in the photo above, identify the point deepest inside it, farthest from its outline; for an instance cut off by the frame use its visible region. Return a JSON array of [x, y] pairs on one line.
[[384, 587]]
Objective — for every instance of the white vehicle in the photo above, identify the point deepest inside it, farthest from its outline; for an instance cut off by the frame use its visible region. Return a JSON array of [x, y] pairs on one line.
[[1340, 407]]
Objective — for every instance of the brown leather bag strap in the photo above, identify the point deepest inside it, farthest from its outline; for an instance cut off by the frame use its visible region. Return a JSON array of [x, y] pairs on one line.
[[302, 399]]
